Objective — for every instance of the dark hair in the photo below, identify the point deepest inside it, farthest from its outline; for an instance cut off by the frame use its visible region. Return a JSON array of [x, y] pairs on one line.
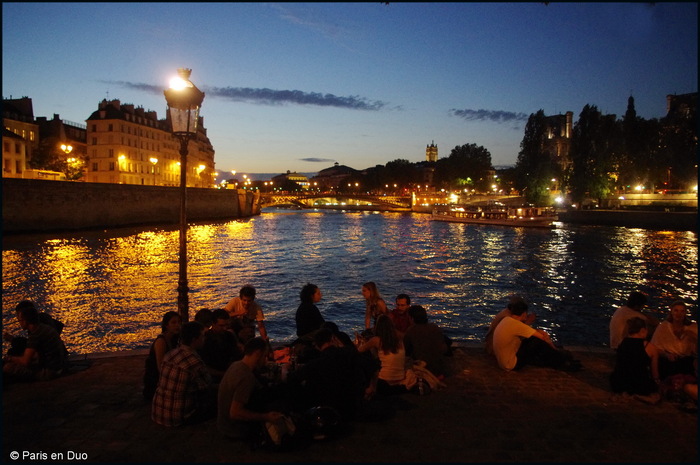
[[254, 345], [388, 340], [404, 296], [219, 314], [247, 291], [28, 311], [636, 300], [635, 325], [190, 331], [307, 293], [517, 305], [24, 304], [166, 319], [323, 336], [205, 316], [330, 325], [418, 313]]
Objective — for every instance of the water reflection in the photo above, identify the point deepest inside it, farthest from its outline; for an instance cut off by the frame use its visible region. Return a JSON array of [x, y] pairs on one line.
[[111, 288]]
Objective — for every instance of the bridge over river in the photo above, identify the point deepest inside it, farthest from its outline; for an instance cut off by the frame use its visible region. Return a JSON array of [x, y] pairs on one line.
[[380, 202]]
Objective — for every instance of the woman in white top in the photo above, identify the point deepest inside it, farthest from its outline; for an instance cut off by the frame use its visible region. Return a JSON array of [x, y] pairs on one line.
[[677, 339], [389, 348]]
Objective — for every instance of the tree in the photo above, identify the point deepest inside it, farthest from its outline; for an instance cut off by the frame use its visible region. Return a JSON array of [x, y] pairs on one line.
[[49, 156], [467, 165], [535, 167], [595, 146], [636, 164]]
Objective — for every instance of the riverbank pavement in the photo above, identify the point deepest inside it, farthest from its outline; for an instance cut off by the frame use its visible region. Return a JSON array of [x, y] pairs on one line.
[[97, 414]]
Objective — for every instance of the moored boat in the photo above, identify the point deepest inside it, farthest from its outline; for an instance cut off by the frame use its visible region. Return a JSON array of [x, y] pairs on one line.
[[496, 214]]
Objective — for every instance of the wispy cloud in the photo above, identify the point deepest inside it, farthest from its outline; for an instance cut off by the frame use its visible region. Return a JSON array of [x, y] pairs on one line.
[[149, 88], [497, 116], [317, 160], [278, 97], [270, 96]]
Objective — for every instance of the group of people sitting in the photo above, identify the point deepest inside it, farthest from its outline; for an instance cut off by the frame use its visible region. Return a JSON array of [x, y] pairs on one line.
[[216, 365], [654, 359], [212, 366]]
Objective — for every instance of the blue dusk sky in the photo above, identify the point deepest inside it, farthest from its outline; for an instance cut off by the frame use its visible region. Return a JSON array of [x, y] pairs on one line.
[[300, 86]]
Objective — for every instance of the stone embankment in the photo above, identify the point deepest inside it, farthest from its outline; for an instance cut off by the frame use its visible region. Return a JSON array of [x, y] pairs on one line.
[[30, 205]]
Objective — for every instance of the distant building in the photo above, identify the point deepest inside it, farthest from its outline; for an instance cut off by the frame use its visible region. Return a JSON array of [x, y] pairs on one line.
[[128, 145], [300, 179], [333, 177], [18, 119], [558, 138], [681, 107], [14, 154], [431, 153]]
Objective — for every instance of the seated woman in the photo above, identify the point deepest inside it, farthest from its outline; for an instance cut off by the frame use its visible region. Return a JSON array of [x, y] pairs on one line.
[[677, 340], [374, 304], [389, 348], [166, 341], [637, 364]]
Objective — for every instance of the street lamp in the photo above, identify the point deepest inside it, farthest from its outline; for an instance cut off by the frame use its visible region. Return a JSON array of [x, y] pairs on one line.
[[184, 101], [154, 160]]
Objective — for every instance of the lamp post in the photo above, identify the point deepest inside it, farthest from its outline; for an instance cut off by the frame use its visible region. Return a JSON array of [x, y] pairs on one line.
[[154, 160], [184, 101]]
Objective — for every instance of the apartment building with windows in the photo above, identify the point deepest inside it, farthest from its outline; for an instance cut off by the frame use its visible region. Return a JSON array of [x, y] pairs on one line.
[[129, 145], [20, 136]]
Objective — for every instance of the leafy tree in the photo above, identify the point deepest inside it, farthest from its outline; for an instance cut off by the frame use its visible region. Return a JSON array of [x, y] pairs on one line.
[[636, 163], [467, 165], [49, 156], [595, 145], [536, 167]]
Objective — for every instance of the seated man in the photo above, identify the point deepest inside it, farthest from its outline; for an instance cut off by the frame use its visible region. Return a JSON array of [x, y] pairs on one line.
[[43, 358], [221, 347], [426, 341], [239, 415], [185, 392], [632, 308], [399, 315], [517, 344], [488, 340], [245, 312]]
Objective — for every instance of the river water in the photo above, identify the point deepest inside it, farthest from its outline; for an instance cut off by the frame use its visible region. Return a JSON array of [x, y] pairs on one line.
[[111, 288]]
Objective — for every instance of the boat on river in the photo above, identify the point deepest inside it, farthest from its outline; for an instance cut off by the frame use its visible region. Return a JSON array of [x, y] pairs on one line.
[[496, 214]]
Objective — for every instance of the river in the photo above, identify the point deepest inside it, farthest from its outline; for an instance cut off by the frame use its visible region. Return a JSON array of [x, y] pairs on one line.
[[112, 287]]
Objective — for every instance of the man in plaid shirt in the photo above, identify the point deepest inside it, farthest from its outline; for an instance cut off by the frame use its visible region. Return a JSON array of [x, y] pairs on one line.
[[185, 391]]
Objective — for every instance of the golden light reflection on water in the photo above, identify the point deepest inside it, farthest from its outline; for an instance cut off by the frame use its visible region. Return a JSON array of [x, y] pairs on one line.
[[112, 289]]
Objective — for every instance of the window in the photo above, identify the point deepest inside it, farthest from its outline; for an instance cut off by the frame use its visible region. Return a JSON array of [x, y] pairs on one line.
[[6, 147], [18, 148], [95, 166], [111, 153], [111, 166], [94, 128], [94, 141], [111, 127]]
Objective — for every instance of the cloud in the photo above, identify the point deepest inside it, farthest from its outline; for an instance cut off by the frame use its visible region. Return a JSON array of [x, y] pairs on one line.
[[270, 96], [149, 88], [497, 116], [318, 160], [279, 97]]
